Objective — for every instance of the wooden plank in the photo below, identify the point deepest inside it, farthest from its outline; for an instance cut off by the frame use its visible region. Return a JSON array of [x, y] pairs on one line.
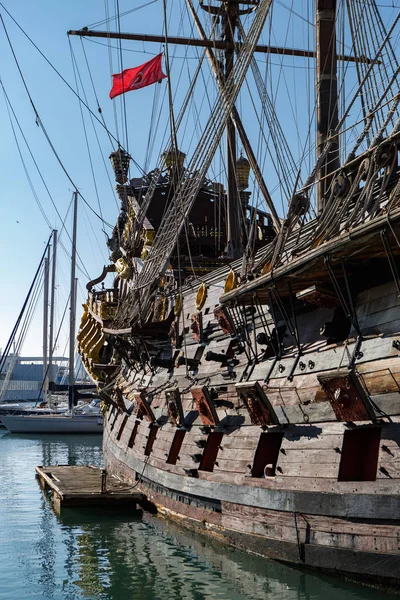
[[317, 443], [82, 486], [360, 504], [298, 469], [375, 293], [380, 382], [317, 457], [388, 469], [304, 528], [232, 465], [384, 302]]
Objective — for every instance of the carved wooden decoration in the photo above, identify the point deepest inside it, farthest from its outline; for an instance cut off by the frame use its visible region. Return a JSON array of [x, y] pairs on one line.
[[197, 326], [174, 406], [223, 320], [260, 409], [346, 396], [205, 406], [144, 407], [174, 335]]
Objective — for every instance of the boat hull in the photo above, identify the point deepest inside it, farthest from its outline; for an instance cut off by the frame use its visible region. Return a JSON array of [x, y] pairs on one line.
[[57, 424], [294, 457], [349, 533]]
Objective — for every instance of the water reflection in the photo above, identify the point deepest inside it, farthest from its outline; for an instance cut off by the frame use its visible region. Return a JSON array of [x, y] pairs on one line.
[[148, 558], [100, 555]]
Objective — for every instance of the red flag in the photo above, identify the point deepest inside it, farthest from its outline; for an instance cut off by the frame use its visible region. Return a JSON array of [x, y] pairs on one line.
[[138, 77]]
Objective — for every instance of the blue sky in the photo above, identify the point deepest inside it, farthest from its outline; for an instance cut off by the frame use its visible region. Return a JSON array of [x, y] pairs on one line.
[[24, 231]]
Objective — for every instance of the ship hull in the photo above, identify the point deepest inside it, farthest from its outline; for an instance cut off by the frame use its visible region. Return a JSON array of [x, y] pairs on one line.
[[353, 534], [286, 446]]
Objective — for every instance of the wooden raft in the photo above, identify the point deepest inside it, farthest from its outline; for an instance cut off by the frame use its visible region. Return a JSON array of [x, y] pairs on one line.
[[83, 486]]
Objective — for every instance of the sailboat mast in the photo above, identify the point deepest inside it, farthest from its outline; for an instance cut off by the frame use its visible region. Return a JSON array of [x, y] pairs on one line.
[[46, 317], [71, 377], [327, 96], [52, 303]]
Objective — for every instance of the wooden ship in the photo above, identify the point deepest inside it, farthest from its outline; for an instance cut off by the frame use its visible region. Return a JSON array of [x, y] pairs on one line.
[[250, 369]]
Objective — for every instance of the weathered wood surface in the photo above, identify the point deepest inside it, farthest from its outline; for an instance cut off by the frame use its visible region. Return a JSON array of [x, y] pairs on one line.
[[254, 490], [306, 528], [288, 535], [302, 513], [82, 486]]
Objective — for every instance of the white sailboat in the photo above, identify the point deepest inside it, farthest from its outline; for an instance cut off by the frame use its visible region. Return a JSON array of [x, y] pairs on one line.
[[87, 419], [81, 419]]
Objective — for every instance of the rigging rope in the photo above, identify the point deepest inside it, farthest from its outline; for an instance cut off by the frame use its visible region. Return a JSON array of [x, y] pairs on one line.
[[62, 221], [187, 190], [40, 123], [15, 329], [76, 74], [155, 174], [311, 179], [64, 80], [93, 125]]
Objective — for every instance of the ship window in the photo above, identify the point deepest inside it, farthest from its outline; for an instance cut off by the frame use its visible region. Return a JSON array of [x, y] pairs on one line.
[[150, 440], [176, 446], [210, 451], [133, 435], [360, 450], [121, 429], [267, 453]]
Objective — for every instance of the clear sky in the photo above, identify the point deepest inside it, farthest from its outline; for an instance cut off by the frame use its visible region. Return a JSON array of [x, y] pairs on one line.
[[24, 230]]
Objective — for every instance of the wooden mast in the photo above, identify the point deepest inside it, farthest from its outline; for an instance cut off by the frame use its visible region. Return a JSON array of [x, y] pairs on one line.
[[234, 246], [327, 96], [239, 126], [229, 13]]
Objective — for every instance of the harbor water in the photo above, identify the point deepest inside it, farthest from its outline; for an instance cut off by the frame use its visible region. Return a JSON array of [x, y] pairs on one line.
[[95, 554]]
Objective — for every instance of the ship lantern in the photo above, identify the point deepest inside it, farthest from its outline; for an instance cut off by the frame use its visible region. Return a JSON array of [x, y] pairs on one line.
[[242, 172], [120, 164], [170, 158]]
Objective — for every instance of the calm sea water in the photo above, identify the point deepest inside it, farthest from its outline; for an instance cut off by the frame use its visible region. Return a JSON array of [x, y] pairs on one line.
[[100, 555]]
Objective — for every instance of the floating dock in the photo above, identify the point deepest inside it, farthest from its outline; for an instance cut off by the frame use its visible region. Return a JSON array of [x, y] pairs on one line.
[[74, 486]]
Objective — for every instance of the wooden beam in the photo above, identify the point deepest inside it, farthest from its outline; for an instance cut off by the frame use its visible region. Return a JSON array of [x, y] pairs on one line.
[[216, 44]]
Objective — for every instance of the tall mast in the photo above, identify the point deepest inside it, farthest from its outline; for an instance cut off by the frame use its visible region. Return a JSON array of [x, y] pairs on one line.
[[234, 230], [327, 97], [46, 318], [71, 377], [229, 13], [238, 124], [52, 302]]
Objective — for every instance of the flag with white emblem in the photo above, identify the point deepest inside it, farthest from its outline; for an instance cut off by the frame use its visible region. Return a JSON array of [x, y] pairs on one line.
[[138, 77]]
